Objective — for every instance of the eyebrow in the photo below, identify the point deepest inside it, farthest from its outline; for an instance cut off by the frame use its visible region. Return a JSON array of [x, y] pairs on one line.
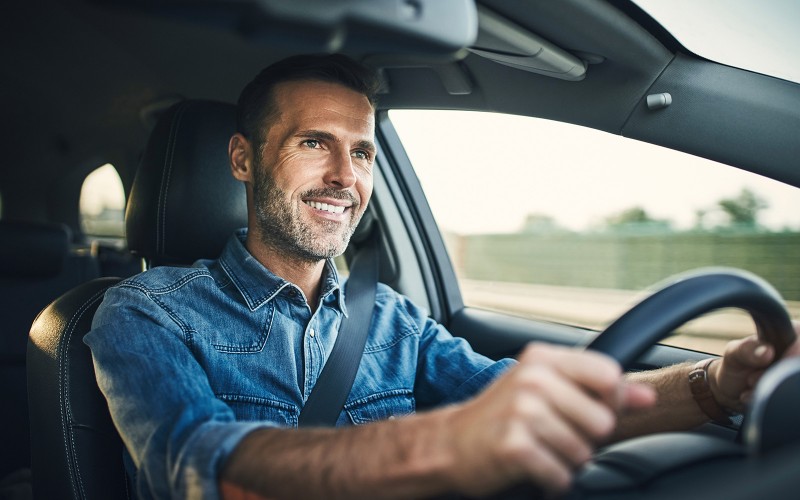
[[327, 136]]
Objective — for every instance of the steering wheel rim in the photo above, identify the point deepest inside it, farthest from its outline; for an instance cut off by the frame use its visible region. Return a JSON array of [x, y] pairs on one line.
[[685, 297], [678, 300]]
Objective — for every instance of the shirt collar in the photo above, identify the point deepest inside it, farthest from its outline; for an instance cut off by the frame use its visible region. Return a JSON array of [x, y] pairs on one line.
[[258, 285]]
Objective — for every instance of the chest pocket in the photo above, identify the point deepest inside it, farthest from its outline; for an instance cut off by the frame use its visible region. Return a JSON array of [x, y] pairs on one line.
[[251, 409], [381, 406], [242, 334]]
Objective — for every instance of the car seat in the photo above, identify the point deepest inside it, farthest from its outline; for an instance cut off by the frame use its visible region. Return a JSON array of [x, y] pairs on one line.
[[183, 206], [36, 266]]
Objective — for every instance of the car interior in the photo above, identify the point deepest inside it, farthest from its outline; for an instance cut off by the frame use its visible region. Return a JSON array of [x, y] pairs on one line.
[[151, 87]]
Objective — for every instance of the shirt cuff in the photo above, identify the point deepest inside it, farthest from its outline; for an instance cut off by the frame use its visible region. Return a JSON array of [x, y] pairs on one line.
[[204, 455]]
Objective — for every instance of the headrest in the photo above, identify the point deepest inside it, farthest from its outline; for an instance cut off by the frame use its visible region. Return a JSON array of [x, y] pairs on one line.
[[32, 249], [185, 203]]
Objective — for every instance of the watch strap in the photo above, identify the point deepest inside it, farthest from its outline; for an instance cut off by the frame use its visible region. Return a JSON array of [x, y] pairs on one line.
[[701, 391]]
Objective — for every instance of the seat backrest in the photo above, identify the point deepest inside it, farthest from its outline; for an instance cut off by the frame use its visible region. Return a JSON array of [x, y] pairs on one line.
[[36, 266], [75, 450], [183, 206]]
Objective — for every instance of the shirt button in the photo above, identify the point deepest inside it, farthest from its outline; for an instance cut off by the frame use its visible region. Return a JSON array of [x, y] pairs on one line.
[[311, 333], [292, 293]]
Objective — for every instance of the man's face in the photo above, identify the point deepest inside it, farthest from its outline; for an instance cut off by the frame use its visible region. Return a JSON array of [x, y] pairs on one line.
[[313, 176]]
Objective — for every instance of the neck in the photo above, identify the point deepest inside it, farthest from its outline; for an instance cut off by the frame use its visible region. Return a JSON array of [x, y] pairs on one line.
[[306, 274]]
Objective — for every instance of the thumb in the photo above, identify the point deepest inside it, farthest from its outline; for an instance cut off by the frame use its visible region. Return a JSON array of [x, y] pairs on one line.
[[637, 396], [761, 354], [747, 354]]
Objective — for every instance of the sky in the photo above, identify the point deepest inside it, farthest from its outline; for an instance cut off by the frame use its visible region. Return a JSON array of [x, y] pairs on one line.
[[484, 173], [733, 31]]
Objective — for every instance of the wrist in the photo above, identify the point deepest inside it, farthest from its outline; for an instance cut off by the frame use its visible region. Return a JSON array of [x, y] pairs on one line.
[[702, 383], [424, 455], [450, 438]]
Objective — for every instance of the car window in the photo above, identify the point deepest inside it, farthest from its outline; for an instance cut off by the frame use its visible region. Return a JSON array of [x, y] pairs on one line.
[[102, 204], [568, 224]]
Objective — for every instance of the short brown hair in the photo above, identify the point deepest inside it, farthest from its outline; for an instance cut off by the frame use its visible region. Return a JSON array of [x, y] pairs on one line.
[[256, 104]]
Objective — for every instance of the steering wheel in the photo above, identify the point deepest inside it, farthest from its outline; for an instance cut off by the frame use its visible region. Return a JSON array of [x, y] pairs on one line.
[[687, 296], [682, 298]]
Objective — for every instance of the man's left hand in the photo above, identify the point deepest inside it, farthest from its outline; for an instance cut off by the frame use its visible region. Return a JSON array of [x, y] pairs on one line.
[[735, 375]]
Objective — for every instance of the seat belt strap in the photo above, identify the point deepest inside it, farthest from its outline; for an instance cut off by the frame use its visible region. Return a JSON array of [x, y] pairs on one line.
[[327, 398]]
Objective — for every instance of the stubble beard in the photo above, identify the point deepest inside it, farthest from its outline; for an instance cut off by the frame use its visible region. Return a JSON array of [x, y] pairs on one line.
[[281, 226]]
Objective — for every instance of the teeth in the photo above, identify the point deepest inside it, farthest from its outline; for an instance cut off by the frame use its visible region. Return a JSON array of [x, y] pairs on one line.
[[324, 206]]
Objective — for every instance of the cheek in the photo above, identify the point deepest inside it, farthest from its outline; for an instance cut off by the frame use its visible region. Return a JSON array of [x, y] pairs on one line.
[[364, 188], [294, 170]]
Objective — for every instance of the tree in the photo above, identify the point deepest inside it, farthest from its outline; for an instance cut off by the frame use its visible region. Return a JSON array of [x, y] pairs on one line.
[[743, 210], [636, 218], [540, 223], [633, 215]]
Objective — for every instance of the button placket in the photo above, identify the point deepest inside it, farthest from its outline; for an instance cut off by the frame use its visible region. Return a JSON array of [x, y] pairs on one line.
[[313, 355]]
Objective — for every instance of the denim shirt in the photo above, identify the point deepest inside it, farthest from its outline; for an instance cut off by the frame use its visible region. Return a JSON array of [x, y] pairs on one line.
[[192, 359]]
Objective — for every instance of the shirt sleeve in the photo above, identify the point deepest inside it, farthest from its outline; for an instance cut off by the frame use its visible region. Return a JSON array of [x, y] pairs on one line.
[[448, 370], [177, 432]]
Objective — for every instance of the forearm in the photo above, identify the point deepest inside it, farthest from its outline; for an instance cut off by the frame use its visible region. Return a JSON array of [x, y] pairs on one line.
[[403, 458], [675, 408]]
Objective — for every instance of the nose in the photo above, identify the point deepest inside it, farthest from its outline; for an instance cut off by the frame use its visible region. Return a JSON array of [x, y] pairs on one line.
[[340, 172]]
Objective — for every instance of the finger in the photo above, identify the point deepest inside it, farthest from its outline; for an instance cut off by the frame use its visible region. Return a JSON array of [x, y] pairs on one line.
[[748, 353], [549, 425], [588, 415], [635, 396], [762, 354], [543, 467], [548, 472], [591, 370], [754, 377]]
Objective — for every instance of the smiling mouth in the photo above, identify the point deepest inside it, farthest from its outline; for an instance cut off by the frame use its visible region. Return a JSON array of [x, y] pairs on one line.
[[334, 209]]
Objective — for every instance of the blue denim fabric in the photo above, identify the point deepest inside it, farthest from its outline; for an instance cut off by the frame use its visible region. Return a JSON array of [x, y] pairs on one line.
[[192, 359]]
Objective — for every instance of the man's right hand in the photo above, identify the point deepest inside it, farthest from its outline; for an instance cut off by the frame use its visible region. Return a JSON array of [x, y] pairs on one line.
[[537, 423], [540, 420]]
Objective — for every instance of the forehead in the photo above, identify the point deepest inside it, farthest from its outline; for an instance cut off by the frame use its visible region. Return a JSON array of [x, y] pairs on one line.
[[324, 103]]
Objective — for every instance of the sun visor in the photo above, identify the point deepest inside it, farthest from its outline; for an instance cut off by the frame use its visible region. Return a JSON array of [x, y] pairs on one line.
[[508, 43]]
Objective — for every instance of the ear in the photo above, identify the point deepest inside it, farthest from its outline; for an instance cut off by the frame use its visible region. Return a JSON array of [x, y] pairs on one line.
[[240, 153]]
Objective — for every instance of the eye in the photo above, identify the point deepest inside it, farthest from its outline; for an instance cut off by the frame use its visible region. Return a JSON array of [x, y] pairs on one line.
[[311, 143], [361, 154]]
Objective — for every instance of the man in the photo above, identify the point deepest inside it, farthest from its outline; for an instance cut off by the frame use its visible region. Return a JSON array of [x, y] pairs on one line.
[[207, 392]]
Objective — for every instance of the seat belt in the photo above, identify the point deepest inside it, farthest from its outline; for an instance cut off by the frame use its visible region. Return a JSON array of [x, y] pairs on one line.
[[327, 398]]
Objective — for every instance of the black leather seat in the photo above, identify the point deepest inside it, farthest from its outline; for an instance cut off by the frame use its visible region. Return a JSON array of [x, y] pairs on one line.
[[36, 266], [183, 206]]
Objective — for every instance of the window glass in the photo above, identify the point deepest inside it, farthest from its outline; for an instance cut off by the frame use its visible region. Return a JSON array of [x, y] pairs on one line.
[[102, 204], [569, 224], [751, 34]]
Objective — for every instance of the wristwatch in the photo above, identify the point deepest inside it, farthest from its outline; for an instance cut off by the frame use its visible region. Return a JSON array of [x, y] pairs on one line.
[[701, 391]]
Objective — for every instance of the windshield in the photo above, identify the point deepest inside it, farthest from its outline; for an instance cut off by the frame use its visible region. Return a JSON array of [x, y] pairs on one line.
[[750, 34]]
